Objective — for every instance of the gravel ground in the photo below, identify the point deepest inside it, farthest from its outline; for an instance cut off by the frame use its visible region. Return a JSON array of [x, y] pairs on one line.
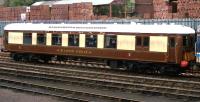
[[7, 95]]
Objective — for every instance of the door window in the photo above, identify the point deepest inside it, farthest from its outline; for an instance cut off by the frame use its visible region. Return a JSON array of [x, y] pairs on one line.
[[172, 42]]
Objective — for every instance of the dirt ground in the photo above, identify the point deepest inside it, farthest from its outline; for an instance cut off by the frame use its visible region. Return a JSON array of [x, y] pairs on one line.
[[7, 95]]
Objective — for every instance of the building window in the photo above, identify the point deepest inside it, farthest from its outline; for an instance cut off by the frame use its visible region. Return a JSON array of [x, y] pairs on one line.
[[73, 40], [174, 7], [172, 42], [27, 38], [41, 39], [138, 41], [146, 41], [110, 41], [56, 39], [91, 40]]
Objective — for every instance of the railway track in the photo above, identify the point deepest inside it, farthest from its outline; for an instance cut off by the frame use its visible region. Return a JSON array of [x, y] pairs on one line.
[[128, 83], [43, 86], [5, 56], [25, 80], [47, 88], [114, 81]]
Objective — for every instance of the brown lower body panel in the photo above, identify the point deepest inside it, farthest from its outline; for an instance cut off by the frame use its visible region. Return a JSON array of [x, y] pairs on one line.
[[90, 52]]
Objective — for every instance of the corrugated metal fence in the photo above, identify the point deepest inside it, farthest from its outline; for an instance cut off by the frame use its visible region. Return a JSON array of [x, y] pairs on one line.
[[193, 23]]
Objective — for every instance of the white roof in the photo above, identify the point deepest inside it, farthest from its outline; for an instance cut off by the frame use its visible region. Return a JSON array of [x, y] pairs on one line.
[[123, 28], [94, 2]]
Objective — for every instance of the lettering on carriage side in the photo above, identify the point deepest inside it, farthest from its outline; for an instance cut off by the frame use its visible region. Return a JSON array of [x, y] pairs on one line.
[[83, 52], [67, 51], [76, 27]]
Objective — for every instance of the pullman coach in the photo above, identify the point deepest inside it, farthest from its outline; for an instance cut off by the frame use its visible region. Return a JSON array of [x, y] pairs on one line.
[[155, 48]]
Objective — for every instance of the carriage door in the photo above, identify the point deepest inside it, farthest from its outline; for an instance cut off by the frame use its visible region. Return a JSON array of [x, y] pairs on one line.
[[197, 49], [172, 49]]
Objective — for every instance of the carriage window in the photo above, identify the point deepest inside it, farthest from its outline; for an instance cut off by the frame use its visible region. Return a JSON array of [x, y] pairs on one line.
[[172, 42], [41, 39], [110, 41], [139, 41], [56, 39], [73, 40], [91, 40], [27, 38], [185, 41], [146, 41], [192, 41]]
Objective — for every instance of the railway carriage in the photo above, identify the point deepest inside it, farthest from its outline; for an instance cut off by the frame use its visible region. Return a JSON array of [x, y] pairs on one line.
[[154, 48]]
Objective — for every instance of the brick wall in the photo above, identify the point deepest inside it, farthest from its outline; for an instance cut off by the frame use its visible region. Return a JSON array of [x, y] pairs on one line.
[[189, 8], [144, 8]]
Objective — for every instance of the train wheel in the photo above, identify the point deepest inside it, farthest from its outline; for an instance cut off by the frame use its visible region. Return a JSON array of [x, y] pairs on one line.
[[129, 66], [113, 64], [194, 67], [169, 70], [46, 59], [15, 57], [162, 70], [25, 57]]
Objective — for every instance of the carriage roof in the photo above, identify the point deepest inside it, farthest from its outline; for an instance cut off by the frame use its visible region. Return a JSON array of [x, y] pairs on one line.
[[122, 28]]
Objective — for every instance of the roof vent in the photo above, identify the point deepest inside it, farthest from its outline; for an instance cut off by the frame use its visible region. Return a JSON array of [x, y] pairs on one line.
[[133, 23], [172, 23], [164, 23]]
